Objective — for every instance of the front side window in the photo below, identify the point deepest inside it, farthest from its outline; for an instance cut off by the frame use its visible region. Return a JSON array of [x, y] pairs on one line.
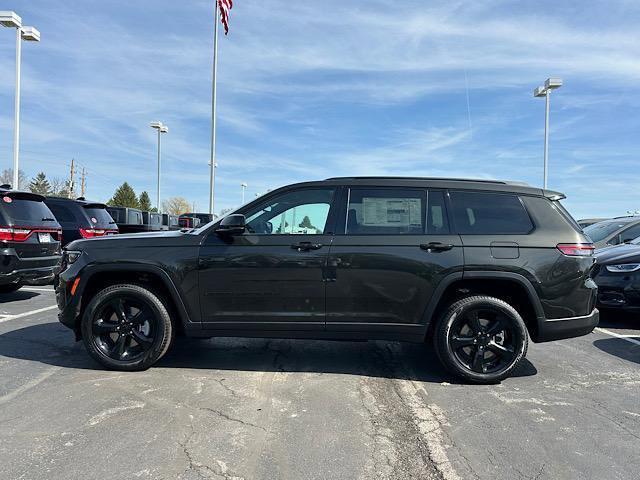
[[601, 230], [628, 236], [301, 212], [487, 213], [382, 211]]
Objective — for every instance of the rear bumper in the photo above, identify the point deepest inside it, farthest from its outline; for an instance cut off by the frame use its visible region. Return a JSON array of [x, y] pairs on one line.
[[559, 328]]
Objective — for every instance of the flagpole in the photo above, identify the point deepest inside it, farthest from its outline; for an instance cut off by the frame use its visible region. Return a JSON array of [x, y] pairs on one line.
[[212, 164]]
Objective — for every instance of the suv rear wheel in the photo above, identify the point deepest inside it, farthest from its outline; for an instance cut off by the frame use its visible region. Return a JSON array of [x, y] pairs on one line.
[[126, 327], [481, 339]]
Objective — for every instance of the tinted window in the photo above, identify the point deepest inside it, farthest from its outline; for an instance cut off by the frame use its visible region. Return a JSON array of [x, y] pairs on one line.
[[386, 212], [629, 234], [600, 231], [24, 212], [480, 213], [297, 212], [99, 217], [437, 221], [135, 218], [62, 213]]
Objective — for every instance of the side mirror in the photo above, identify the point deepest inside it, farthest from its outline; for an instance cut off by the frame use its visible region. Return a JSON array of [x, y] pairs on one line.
[[232, 225]]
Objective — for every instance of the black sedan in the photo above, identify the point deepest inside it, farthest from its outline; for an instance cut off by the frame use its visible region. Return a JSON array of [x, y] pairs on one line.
[[617, 274]]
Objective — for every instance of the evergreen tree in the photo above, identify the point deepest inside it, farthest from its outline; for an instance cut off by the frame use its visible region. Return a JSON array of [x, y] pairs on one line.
[[40, 184], [124, 196], [145, 202]]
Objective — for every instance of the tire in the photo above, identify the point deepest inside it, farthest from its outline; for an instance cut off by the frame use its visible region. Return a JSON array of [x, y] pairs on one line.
[[10, 288], [486, 351], [127, 327]]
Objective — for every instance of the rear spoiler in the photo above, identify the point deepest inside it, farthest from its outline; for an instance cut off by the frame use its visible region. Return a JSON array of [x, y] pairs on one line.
[[18, 195], [94, 205], [551, 195]]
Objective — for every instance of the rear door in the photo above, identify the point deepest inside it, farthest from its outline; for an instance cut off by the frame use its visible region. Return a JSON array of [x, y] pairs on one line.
[[392, 250]]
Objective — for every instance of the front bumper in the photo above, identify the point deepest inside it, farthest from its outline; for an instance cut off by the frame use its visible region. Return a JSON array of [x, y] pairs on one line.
[[560, 328]]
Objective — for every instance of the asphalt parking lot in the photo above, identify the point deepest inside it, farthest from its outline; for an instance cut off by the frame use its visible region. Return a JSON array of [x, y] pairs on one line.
[[285, 409]]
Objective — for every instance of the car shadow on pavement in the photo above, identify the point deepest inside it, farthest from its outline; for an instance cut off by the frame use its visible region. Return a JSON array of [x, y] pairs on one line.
[[17, 296], [53, 344], [620, 348]]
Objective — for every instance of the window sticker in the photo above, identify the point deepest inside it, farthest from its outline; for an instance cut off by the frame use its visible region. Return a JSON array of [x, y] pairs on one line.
[[391, 212]]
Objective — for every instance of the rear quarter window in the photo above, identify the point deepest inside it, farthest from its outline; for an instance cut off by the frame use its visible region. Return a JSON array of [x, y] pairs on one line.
[[487, 213]]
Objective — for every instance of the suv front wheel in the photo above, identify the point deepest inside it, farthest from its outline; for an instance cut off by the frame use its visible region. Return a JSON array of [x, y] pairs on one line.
[[126, 327], [481, 339]]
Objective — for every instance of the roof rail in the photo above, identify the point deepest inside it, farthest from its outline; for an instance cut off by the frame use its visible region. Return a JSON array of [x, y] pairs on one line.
[[475, 180]]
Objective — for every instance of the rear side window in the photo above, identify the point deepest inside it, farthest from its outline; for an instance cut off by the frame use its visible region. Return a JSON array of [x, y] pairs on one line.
[[24, 212], [437, 221], [485, 213], [386, 212], [62, 213]]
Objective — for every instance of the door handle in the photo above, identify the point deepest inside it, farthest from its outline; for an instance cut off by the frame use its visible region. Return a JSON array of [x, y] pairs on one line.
[[306, 246], [436, 246]]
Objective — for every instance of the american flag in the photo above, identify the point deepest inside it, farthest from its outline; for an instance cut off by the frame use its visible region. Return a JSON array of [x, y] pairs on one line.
[[225, 6]]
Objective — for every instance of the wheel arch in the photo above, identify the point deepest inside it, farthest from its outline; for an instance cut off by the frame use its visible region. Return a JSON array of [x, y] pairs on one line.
[[95, 278], [511, 287]]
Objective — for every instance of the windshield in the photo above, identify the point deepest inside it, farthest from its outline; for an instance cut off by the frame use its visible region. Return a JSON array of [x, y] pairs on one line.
[[600, 231]]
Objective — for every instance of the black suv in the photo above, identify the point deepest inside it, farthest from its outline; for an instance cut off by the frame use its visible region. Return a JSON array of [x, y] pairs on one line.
[[477, 266], [29, 240], [81, 219]]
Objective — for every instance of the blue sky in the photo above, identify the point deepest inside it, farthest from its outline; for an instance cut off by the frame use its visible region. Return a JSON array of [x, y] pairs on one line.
[[309, 90]]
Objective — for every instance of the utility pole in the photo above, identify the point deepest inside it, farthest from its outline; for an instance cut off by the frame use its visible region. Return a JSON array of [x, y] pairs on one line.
[[71, 173], [82, 187]]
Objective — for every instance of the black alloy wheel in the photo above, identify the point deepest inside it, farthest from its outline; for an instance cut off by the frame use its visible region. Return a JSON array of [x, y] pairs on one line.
[[481, 339], [126, 327]]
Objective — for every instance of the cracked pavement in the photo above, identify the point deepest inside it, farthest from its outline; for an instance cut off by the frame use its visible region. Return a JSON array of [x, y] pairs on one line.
[[292, 409]]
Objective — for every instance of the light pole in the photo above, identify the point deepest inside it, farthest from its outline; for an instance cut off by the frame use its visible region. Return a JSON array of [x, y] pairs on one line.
[[162, 128], [545, 91], [28, 34], [244, 186]]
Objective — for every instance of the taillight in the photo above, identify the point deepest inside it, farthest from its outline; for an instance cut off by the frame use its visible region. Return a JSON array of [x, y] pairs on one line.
[[91, 232], [18, 234], [8, 234], [576, 249]]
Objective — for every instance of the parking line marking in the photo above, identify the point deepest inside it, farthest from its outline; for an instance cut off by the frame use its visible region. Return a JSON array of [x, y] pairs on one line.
[[32, 312], [35, 289], [613, 334]]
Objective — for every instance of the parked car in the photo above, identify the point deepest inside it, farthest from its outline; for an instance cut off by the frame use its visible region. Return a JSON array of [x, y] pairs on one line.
[[617, 274], [478, 266], [203, 217], [189, 222], [614, 232], [585, 222], [129, 220], [172, 222], [81, 219], [153, 222], [30, 240]]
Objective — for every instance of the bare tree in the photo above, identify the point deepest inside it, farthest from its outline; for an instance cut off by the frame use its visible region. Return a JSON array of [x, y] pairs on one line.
[[7, 178], [175, 205]]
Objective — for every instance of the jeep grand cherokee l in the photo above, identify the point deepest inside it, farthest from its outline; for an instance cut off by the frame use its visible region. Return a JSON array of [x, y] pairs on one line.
[[30, 240], [476, 267]]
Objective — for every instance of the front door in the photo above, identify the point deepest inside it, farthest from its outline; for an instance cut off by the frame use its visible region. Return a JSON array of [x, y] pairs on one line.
[[272, 276], [393, 250]]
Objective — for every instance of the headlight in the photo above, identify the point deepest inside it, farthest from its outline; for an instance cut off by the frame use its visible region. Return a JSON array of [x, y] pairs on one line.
[[624, 268], [71, 256]]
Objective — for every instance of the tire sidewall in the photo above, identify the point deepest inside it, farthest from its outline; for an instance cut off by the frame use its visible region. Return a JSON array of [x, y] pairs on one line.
[[162, 339], [447, 321]]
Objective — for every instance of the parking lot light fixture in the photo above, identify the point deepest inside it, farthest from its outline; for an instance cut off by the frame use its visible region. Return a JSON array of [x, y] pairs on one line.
[[161, 128], [545, 91], [244, 186], [11, 19]]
